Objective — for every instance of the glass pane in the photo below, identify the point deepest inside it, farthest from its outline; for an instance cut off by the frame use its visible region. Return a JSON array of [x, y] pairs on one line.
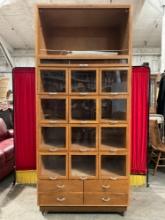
[[114, 81], [83, 137], [113, 137], [83, 165], [54, 137], [113, 165], [53, 80], [113, 109], [83, 109], [54, 109], [53, 165], [83, 81]]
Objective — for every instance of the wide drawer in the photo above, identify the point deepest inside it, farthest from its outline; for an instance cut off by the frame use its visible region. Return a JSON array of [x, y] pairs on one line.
[[60, 185], [114, 186], [60, 199], [106, 199]]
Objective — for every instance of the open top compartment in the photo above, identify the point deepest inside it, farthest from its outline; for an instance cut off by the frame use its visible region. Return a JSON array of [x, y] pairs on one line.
[[85, 31]]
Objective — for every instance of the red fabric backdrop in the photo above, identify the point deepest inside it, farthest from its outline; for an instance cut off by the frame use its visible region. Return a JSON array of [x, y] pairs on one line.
[[24, 118], [24, 112], [140, 100]]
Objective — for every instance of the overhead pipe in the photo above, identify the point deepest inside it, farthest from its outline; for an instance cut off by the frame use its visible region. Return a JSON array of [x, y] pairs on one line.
[[6, 53]]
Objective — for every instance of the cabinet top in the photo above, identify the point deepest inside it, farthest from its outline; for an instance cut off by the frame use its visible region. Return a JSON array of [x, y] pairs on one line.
[[88, 6]]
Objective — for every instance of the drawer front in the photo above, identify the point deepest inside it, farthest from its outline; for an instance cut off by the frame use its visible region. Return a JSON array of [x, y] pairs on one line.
[[60, 199], [105, 199], [113, 186], [60, 185]]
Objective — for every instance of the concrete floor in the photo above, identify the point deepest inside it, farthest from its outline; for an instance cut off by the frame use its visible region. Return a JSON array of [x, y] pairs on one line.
[[19, 203]]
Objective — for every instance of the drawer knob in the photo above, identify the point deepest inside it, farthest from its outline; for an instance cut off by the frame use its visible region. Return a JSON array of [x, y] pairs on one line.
[[52, 121], [113, 178], [60, 186], [83, 64], [114, 122], [52, 93], [52, 177], [83, 150], [83, 177], [106, 199], [113, 150], [83, 93], [115, 93], [105, 186], [52, 149], [61, 199]]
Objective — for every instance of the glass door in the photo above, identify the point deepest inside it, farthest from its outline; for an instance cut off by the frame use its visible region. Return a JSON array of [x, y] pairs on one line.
[[53, 81], [114, 81], [83, 166], [113, 109], [83, 110], [113, 138], [53, 138], [53, 109], [83, 138], [112, 166], [83, 82], [53, 166]]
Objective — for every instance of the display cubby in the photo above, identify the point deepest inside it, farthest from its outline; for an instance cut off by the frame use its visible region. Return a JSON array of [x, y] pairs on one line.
[[83, 138], [54, 138], [53, 81]]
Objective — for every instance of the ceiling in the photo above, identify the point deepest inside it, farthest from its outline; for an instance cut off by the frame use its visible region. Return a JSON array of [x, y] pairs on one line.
[[17, 21]]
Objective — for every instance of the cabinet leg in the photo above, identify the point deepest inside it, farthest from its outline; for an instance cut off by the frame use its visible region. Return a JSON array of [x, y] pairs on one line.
[[43, 211], [122, 213]]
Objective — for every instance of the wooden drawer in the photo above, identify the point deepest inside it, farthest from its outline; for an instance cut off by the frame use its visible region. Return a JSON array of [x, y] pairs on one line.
[[113, 186], [105, 199], [60, 199], [60, 185]]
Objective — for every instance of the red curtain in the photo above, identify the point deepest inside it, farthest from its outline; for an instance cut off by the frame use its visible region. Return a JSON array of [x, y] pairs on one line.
[[24, 118], [24, 112], [140, 101]]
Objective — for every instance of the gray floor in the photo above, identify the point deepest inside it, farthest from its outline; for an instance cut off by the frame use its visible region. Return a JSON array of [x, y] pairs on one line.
[[19, 203]]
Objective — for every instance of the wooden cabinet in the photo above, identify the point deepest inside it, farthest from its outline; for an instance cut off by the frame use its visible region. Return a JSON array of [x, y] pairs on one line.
[[83, 58]]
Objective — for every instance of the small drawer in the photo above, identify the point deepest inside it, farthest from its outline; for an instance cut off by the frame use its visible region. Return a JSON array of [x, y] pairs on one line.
[[105, 199], [60, 199], [60, 186], [113, 186]]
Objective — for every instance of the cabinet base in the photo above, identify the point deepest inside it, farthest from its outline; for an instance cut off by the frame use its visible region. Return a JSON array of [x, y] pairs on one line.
[[74, 209]]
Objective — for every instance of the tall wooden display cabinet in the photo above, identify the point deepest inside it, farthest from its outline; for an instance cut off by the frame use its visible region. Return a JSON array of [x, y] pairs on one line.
[[83, 69]]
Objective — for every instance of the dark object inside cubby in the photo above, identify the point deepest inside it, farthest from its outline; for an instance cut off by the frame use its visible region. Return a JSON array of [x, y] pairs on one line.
[[54, 109], [83, 109], [114, 81], [53, 80], [83, 81], [114, 109], [84, 136]]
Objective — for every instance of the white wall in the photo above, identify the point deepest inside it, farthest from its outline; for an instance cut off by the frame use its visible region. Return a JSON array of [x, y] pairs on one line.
[[26, 59], [140, 55], [150, 55]]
